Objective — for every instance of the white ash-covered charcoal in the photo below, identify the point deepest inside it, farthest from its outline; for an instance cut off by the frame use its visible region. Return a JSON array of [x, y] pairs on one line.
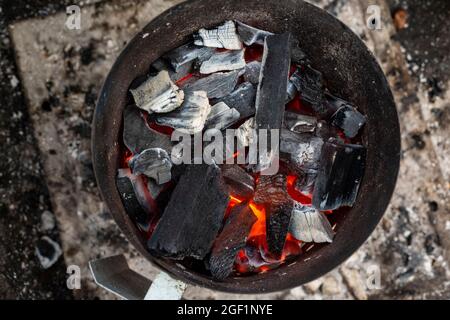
[[154, 163], [138, 136], [223, 61], [191, 116], [271, 92], [309, 83], [306, 180], [221, 116], [183, 57], [299, 123], [310, 225], [158, 94], [301, 150], [346, 117], [216, 85], [133, 196], [224, 36], [339, 177], [245, 134], [240, 183], [242, 99], [251, 35], [252, 72], [231, 240], [160, 65], [193, 216]]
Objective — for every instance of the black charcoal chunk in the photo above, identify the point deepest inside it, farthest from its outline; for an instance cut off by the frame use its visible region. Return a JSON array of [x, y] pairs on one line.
[[301, 150], [224, 36], [158, 94], [155, 163], [252, 72], [242, 99], [231, 240], [271, 92], [183, 57], [217, 85], [278, 220], [129, 198], [306, 180], [223, 61], [272, 190], [246, 132], [221, 117], [310, 225], [241, 184], [297, 54], [191, 116], [250, 35], [339, 176], [48, 252], [346, 116], [193, 216], [138, 136], [299, 123]]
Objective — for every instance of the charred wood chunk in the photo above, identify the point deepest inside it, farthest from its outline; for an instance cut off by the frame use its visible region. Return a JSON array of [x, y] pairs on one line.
[[300, 150], [221, 116], [138, 136], [299, 123], [223, 36], [217, 85], [158, 94], [252, 72], [341, 170], [241, 184], [191, 116], [193, 216], [271, 93], [346, 116], [250, 35], [242, 99], [223, 61], [310, 225], [184, 56], [306, 180], [232, 239], [155, 163], [278, 220], [245, 134], [272, 191], [309, 83], [297, 54], [327, 131], [129, 198]]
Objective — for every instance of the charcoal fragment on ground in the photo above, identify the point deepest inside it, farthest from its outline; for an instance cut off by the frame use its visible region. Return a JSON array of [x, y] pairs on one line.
[[138, 136], [193, 216], [223, 61], [48, 252], [346, 116], [231, 239], [310, 225], [221, 116], [224, 36], [155, 163], [242, 99], [340, 173], [241, 184], [216, 85]]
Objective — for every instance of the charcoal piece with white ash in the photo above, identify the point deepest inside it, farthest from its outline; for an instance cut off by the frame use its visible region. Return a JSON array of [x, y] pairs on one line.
[[242, 99], [191, 116], [47, 251], [299, 123], [216, 85], [129, 198], [240, 183], [271, 92], [193, 216], [223, 61], [300, 150], [310, 225], [305, 181], [154, 163], [251, 35], [327, 131], [221, 116], [245, 134], [138, 136], [223, 36], [158, 94], [346, 116], [339, 177], [184, 56], [252, 72], [231, 239]]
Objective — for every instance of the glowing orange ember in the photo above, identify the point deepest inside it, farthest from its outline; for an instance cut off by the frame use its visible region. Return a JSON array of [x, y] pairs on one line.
[[304, 199]]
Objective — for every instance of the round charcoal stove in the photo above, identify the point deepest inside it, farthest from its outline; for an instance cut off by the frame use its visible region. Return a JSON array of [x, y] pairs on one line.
[[229, 227]]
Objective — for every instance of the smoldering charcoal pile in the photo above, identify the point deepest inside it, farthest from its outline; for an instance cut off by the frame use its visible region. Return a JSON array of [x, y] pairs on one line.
[[231, 217]]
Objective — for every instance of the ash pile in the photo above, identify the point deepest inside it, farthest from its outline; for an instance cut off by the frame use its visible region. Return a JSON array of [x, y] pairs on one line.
[[228, 219]]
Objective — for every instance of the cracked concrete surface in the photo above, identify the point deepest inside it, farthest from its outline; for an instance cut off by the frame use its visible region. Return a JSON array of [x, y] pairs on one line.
[[62, 71]]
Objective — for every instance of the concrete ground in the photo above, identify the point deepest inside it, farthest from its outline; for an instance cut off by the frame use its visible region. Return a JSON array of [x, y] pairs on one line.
[[51, 77]]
